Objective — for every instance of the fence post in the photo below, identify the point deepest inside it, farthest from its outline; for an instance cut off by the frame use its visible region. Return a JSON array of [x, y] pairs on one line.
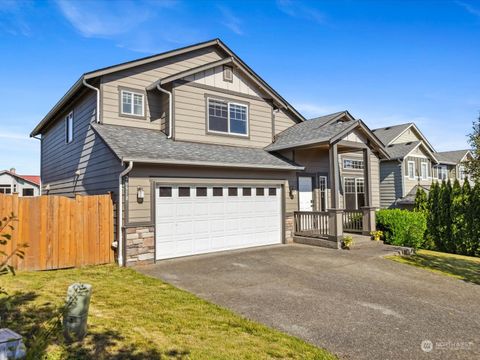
[[16, 230], [369, 220]]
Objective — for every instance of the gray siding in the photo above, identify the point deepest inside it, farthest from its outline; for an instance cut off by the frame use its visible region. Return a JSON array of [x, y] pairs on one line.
[[98, 166], [390, 183]]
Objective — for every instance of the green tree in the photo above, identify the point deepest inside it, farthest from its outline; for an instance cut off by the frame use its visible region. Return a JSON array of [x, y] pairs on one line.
[[433, 217], [474, 248], [473, 166], [469, 218], [421, 201], [457, 213], [445, 217]]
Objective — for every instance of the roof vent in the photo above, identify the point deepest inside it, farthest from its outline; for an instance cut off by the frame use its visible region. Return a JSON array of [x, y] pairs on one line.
[[387, 128], [390, 145], [408, 143]]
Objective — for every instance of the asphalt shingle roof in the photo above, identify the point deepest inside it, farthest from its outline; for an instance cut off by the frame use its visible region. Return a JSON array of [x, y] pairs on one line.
[[453, 157], [145, 145], [399, 151], [316, 130], [389, 133]]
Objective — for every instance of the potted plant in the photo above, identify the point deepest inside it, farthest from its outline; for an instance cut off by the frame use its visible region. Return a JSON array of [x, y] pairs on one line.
[[376, 235], [347, 242]]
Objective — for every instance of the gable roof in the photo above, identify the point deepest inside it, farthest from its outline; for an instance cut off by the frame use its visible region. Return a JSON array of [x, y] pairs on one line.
[[324, 129], [78, 85], [33, 179], [451, 157], [402, 150], [390, 133], [152, 146]]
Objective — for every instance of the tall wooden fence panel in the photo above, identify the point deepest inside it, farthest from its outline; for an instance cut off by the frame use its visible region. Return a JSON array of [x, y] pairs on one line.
[[60, 232]]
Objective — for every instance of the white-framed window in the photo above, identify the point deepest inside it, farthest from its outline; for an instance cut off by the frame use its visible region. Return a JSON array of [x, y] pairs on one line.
[[227, 117], [352, 164], [133, 103], [322, 185], [354, 193], [69, 128], [424, 170], [5, 189], [411, 169], [442, 173], [461, 172]]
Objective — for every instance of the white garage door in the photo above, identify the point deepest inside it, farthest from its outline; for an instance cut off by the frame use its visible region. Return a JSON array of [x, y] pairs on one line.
[[202, 218]]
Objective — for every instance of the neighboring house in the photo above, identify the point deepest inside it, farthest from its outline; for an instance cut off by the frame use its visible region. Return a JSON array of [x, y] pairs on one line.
[[23, 185], [205, 156], [411, 164], [451, 165]]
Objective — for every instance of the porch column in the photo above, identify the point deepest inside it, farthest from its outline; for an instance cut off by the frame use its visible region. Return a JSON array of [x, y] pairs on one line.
[[368, 211], [334, 181], [335, 214]]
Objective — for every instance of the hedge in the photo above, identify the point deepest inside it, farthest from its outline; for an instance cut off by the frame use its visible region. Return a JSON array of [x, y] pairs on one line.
[[402, 227]]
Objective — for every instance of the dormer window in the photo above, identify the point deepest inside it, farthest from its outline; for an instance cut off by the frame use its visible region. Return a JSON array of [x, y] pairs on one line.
[[227, 117], [228, 73], [133, 103]]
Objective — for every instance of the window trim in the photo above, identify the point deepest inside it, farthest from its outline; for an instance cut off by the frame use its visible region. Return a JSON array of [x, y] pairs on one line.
[[225, 78], [121, 91], [408, 170], [360, 161], [424, 165], [228, 102], [69, 127], [442, 168], [461, 171]]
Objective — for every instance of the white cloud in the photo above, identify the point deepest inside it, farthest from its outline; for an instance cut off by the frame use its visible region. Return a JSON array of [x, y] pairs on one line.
[[231, 21], [299, 10], [469, 8], [13, 19]]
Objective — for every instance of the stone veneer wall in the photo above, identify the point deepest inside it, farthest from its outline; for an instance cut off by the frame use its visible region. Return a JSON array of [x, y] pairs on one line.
[[289, 223], [140, 247]]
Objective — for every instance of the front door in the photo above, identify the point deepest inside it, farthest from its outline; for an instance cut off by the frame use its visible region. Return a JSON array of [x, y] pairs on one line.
[[305, 195]]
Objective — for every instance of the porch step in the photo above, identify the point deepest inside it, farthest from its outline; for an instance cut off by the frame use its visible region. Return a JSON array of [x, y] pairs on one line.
[[363, 240], [316, 242]]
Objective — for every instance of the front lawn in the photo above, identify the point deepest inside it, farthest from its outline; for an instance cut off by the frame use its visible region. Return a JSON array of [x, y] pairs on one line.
[[133, 316], [462, 267]]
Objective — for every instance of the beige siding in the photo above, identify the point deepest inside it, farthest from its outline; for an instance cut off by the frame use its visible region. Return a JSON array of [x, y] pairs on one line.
[[191, 123], [356, 136], [375, 177], [282, 121], [139, 78], [407, 136]]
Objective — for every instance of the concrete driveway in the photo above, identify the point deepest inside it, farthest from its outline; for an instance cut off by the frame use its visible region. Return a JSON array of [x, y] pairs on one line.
[[354, 303]]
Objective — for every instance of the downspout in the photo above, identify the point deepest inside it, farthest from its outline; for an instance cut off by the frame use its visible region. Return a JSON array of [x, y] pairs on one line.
[[97, 119], [170, 109], [120, 213]]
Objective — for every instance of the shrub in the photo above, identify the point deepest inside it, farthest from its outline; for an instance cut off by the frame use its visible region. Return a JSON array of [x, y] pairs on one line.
[[347, 242], [402, 227]]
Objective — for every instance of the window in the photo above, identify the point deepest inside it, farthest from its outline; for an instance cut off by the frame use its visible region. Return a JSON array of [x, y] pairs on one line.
[[227, 117], [442, 173], [461, 172], [272, 191], [353, 164], [5, 189], [184, 191], [228, 73], [260, 191], [132, 103], [247, 191], [165, 191], [27, 192], [232, 191], [69, 128], [424, 170], [354, 197], [201, 191], [411, 170], [217, 191], [322, 185]]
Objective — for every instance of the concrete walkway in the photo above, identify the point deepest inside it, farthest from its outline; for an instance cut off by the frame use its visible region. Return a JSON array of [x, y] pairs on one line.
[[354, 303]]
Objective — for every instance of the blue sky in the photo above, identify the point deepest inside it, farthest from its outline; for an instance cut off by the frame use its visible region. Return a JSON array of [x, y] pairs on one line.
[[387, 62]]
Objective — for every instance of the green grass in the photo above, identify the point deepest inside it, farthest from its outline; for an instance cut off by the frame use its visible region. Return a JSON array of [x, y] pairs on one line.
[[462, 267], [133, 316]]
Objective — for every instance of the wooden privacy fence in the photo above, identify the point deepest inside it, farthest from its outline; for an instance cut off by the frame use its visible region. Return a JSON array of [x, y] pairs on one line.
[[60, 232]]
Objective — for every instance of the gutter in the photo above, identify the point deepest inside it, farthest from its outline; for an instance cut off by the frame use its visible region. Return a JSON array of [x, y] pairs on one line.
[[97, 112], [120, 247], [170, 109]]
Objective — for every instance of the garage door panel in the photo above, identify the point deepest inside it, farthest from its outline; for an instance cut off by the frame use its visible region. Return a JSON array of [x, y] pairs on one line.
[[193, 224]]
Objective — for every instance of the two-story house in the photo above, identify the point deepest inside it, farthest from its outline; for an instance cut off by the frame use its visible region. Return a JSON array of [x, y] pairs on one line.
[[411, 164], [451, 165], [202, 155]]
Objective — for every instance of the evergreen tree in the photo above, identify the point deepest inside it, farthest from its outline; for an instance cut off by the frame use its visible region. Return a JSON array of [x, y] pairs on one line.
[[421, 201], [433, 217], [445, 217], [457, 215], [474, 249], [473, 165], [468, 205]]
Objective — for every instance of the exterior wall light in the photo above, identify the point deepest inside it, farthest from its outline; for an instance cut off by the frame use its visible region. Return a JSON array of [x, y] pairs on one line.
[[140, 194]]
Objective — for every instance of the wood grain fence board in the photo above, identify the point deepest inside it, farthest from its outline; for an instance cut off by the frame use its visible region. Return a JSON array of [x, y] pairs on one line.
[[61, 232]]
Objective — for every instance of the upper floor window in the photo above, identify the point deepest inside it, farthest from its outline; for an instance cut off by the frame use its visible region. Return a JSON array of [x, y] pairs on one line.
[[227, 117], [69, 128], [411, 169], [461, 172], [442, 173], [352, 164], [132, 103], [424, 170]]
